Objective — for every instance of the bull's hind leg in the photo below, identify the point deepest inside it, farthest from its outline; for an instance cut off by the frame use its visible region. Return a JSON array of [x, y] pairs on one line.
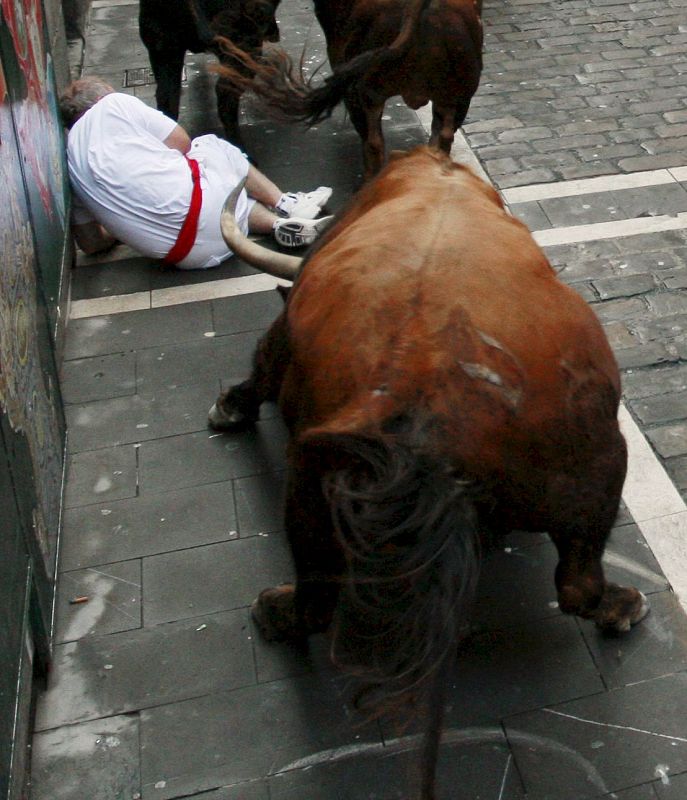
[[291, 612], [168, 65], [584, 511], [583, 589], [239, 407]]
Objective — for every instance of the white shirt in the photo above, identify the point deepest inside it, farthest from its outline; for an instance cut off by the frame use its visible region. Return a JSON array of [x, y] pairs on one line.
[[127, 179]]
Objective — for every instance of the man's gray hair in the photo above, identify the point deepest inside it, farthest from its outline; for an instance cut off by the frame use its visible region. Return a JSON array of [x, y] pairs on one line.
[[81, 95]]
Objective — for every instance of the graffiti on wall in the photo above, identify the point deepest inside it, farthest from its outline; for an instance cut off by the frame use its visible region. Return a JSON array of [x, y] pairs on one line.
[[27, 392], [30, 86]]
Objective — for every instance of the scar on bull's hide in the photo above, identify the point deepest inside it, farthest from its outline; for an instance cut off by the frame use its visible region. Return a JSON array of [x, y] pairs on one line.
[[484, 373], [512, 394]]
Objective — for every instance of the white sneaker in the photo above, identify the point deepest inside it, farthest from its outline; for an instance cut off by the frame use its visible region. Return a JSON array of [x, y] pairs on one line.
[[304, 205], [295, 232]]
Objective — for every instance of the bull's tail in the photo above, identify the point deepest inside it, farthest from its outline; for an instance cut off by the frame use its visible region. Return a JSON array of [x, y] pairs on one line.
[[285, 91], [407, 529]]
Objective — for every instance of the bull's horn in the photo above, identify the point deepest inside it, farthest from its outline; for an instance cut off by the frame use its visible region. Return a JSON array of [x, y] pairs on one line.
[[278, 264]]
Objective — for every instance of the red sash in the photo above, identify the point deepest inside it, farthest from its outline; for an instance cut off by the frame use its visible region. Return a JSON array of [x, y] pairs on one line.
[[187, 234]]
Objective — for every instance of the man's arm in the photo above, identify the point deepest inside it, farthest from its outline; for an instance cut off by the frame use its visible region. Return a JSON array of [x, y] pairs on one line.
[[92, 238], [179, 140]]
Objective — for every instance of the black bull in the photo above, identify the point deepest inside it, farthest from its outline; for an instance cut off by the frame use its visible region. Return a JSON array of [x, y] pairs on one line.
[[168, 30], [438, 381]]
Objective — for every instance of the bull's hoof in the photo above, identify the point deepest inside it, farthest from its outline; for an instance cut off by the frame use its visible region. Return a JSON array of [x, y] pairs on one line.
[[274, 612], [225, 418], [620, 608]]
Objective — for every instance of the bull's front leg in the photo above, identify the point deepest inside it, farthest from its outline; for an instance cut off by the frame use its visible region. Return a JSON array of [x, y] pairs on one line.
[[239, 406], [168, 65]]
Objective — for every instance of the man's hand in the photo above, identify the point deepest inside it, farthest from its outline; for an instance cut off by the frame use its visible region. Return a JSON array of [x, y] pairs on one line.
[[92, 238]]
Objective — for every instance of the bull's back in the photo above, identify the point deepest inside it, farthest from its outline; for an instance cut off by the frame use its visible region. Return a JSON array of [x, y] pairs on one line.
[[427, 296]]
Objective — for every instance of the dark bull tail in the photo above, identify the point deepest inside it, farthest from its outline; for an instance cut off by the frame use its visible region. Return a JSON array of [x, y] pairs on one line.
[[406, 527], [277, 83]]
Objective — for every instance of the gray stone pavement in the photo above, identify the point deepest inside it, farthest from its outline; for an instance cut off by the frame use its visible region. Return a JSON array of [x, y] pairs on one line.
[[160, 687]]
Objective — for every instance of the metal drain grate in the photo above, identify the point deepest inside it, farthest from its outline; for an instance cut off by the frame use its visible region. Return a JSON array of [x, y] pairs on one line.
[[143, 76]]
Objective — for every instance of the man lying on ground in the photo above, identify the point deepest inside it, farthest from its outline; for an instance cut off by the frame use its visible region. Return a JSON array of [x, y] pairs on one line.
[[138, 178]]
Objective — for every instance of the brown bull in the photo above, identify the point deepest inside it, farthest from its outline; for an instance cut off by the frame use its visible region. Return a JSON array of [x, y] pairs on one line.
[[438, 381], [423, 50]]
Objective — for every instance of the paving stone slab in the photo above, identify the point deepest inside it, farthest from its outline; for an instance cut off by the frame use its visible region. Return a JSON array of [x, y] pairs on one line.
[[215, 577], [507, 671], [141, 417], [244, 734], [657, 646], [597, 252], [203, 363], [531, 214], [98, 601], [249, 312], [233, 267], [516, 585], [644, 792], [279, 660], [628, 560], [119, 276], [206, 457], [672, 787], [644, 355], [481, 766], [87, 379], [669, 330], [260, 503], [660, 408], [292, 146], [608, 206], [602, 743], [502, 672], [677, 469], [626, 286], [131, 330], [108, 50], [96, 760], [100, 676], [669, 440], [256, 790], [147, 525], [159, 369], [101, 475]]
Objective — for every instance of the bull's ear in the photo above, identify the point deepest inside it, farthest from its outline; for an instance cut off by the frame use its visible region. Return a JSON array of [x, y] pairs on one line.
[[283, 291]]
